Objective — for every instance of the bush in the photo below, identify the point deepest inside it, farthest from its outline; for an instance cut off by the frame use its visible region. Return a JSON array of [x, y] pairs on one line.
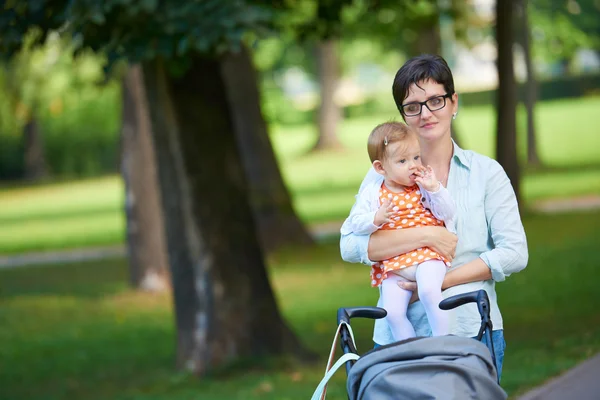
[[11, 157], [84, 139], [557, 88], [81, 139]]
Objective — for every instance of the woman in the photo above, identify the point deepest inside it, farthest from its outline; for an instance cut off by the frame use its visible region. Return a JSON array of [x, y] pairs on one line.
[[490, 243]]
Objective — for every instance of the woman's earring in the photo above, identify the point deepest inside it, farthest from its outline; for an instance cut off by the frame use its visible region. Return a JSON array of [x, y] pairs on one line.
[[454, 115]]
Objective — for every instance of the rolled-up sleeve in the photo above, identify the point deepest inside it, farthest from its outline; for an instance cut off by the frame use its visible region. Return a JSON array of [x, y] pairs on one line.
[[355, 248], [510, 253]]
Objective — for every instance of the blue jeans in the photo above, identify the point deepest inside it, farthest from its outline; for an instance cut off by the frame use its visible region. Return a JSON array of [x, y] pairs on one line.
[[499, 347]]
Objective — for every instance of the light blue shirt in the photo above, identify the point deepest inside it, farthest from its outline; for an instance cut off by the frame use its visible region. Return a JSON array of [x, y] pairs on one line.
[[488, 226]]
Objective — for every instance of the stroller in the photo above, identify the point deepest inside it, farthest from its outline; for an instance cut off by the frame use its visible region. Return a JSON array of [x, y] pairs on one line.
[[441, 368]]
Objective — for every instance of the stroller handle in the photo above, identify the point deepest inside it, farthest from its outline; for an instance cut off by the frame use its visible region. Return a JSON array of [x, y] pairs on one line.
[[346, 314], [479, 296], [483, 306]]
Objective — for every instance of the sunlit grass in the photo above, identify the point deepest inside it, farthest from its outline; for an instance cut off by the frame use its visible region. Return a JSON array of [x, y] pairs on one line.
[[80, 230], [323, 185], [61, 199], [77, 332]]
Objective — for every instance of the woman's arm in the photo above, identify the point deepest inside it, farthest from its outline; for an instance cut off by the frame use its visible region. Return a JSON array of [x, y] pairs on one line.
[[384, 244], [473, 271], [509, 254]]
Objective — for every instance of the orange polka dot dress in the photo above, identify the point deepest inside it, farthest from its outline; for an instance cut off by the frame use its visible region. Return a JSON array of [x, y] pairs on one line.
[[409, 212]]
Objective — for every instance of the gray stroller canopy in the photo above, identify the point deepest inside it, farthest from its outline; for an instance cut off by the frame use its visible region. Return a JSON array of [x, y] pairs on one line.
[[440, 368]]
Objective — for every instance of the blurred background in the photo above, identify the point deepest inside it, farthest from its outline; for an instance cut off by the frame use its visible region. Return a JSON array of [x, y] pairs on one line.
[[85, 304]]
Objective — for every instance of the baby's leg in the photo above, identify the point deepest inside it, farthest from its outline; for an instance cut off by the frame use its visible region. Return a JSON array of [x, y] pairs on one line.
[[430, 276], [395, 301]]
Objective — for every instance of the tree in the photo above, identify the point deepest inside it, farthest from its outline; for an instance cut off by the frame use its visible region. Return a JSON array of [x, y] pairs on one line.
[[27, 73], [329, 112], [530, 94], [145, 231], [412, 27], [35, 159], [506, 126], [321, 28], [224, 305], [428, 39], [277, 222]]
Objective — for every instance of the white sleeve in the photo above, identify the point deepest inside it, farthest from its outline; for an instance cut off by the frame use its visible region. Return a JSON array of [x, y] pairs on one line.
[[441, 205], [360, 220]]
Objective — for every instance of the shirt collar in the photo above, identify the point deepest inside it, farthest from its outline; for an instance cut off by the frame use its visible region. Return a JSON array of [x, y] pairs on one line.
[[461, 155]]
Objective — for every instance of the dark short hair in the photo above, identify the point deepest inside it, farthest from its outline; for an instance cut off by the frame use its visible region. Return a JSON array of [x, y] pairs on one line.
[[418, 69]]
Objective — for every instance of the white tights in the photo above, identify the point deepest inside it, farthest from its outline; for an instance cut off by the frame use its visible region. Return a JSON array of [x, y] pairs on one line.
[[429, 278]]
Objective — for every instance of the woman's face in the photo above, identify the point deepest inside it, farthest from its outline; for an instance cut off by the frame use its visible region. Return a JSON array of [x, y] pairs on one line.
[[431, 125]]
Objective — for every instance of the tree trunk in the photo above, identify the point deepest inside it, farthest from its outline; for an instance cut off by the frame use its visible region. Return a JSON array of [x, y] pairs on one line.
[[224, 304], [329, 113], [506, 133], [428, 38], [429, 41], [278, 224], [530, 85], [145, 240], [35, 160]]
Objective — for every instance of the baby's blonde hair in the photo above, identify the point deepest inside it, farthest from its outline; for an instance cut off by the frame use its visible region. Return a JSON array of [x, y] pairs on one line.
[[384, 135]]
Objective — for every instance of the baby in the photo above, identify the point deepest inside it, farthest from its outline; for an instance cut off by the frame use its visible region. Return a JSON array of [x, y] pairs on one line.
[[408, 196]]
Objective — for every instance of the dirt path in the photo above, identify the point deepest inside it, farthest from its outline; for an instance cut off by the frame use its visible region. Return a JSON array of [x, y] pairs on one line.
[[580, 382]]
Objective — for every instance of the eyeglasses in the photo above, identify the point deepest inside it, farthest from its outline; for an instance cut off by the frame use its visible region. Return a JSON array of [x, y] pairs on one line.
[[433, 104]]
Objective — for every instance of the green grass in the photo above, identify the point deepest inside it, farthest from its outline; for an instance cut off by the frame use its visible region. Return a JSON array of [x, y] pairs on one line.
[[77, 332], [89, 212]]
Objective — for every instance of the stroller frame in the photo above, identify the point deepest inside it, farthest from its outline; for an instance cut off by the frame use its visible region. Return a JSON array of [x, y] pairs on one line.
[[350, 353]]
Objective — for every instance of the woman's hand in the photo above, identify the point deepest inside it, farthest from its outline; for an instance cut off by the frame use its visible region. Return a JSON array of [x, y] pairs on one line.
[[443, 242], [412, 287]]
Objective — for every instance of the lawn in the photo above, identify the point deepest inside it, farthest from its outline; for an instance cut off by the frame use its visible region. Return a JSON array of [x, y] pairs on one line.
[[89, 212], [77, 332]]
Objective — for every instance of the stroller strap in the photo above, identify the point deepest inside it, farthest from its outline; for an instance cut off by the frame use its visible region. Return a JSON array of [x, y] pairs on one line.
[[330, 369], [321, 390]]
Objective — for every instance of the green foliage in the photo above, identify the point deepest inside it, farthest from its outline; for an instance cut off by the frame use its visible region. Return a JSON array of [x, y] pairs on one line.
[[11, 157], [561, 28], [78, 117], [84, 141], [19, 17], [140, 30]]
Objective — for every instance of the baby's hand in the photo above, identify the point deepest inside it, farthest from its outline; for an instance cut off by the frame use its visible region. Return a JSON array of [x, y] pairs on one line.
[[384, 213], [426, 178]]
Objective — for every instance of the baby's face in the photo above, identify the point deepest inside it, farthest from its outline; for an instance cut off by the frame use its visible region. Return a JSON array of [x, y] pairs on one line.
[[402, 160]]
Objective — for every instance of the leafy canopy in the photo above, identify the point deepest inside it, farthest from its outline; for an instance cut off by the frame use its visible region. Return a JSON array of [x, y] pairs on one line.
[[138, 29]]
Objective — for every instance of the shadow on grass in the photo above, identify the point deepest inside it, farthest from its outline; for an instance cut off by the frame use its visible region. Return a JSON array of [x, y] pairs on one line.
[[90, 279]]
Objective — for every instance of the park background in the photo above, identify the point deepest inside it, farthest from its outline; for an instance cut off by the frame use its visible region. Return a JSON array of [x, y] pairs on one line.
[[86, 304]]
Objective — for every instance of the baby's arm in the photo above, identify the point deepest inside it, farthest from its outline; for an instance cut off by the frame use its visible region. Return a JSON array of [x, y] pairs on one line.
[[436, 197], [364, 219], [441, 204]]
